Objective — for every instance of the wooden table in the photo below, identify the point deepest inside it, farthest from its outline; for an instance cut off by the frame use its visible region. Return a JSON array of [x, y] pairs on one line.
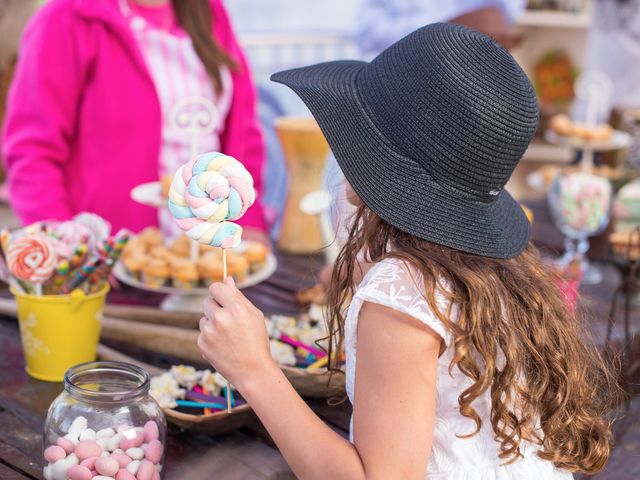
[[246, 454]]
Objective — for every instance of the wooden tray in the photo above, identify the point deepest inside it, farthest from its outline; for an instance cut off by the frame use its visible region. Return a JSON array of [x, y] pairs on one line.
[[218, 423], [182, 343]]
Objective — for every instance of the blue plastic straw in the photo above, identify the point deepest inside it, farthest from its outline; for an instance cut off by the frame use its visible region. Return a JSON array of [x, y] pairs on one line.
[[189, 403]]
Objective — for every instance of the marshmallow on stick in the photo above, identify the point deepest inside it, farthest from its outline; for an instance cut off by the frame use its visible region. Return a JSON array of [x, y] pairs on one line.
[[206, 196]]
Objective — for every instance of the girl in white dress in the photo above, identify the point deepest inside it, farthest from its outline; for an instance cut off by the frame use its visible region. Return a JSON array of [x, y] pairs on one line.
[[462, 362]]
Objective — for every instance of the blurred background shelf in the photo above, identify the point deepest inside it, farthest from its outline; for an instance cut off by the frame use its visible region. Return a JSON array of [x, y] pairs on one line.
[[555, 19]]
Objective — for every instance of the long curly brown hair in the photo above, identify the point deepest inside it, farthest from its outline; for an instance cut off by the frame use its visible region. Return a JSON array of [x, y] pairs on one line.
[[509, 309]]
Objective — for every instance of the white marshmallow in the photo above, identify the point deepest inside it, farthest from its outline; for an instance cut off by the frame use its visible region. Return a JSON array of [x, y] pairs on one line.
[[135, 453], [159, 467], [87, 434], [78, 425], [46, 473], [132, 468], [59, 470], [103, 442], [72, 460], [114, 442], [105, 432]]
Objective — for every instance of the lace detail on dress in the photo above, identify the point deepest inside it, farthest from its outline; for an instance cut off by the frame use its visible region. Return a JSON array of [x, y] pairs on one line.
[[394, 284]]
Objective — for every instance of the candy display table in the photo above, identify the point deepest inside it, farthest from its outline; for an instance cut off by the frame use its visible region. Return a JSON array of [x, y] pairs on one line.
[[247, 453]]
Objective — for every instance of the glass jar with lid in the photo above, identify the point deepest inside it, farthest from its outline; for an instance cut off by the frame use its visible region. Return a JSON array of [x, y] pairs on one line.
[[104, 425]]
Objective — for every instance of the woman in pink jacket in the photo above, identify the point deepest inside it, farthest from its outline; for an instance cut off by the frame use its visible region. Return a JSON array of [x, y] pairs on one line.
[[92, 109]]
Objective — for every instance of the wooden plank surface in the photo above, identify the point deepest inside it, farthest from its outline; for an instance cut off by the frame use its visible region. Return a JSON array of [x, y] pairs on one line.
[[245, 454]]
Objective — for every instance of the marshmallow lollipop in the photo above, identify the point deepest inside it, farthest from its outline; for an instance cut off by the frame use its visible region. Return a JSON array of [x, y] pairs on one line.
[[207, 195], [33, 259]]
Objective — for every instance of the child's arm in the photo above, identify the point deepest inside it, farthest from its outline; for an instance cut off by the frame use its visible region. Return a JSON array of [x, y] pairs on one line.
[[395, 391]]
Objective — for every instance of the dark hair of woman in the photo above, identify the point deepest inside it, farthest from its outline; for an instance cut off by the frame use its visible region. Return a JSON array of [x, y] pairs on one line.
[[195, 17]]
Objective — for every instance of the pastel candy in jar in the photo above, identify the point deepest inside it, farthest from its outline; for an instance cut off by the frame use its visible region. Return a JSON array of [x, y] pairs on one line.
[[101, 458]]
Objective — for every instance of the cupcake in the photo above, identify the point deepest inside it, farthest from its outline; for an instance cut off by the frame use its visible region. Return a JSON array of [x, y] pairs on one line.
[[237, 266], [205, 249], [134, 263], [256, 254], [156, 272], [134, 247], [210, 268], [159, 251], [184, 274], [181, 247], [151, 236]]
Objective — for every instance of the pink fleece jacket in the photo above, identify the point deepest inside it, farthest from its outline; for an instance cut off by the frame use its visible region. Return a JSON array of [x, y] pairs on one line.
[[83, 120]]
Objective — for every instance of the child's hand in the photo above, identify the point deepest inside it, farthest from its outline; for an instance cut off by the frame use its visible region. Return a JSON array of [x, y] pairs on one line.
[[233, 334]]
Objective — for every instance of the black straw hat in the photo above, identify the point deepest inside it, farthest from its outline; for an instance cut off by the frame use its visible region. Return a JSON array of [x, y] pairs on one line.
[[429, 132]]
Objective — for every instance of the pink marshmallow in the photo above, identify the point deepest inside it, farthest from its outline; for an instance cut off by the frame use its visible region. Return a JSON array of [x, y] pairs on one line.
[[66, 444], [125, 475], [122, 459], [107, 466], [127, 443], [145, 471], [154, 451], [88, 448], [151, 431], [156, 475], [54, 453], [90, 462], [78, 472]]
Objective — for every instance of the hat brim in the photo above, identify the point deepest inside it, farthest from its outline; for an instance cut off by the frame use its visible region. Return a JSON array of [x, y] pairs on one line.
[[395, 187]]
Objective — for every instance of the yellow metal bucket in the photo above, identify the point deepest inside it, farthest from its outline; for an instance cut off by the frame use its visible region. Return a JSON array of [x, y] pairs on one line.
[[59, 331]]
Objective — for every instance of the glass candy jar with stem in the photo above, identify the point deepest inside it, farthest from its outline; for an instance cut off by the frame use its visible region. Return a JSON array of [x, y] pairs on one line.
[[580, 205]]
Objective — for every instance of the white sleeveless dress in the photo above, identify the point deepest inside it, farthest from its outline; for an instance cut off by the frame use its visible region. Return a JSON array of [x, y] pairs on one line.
[[390, 283]]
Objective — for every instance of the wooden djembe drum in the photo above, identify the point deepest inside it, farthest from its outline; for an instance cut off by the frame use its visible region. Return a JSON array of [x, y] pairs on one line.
[[305, 151]]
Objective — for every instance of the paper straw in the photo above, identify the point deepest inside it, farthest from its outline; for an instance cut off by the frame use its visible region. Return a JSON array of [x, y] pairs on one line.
[[81, 275], [295, 343], [189, 403], [224, 277], [319, 364]]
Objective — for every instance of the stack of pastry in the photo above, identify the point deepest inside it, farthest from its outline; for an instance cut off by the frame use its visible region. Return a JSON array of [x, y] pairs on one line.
[[626, 244], [147, 259]]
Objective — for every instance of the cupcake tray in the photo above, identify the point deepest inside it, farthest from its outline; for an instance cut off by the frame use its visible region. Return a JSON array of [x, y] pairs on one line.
[[618, 141], [252, 279]]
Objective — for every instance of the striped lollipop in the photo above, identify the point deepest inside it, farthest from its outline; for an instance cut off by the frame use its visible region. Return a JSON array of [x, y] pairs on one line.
[[207, 195], [33, 259]]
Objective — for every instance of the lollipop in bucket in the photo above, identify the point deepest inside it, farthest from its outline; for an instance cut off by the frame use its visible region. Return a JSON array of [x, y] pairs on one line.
[[32, 259]]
